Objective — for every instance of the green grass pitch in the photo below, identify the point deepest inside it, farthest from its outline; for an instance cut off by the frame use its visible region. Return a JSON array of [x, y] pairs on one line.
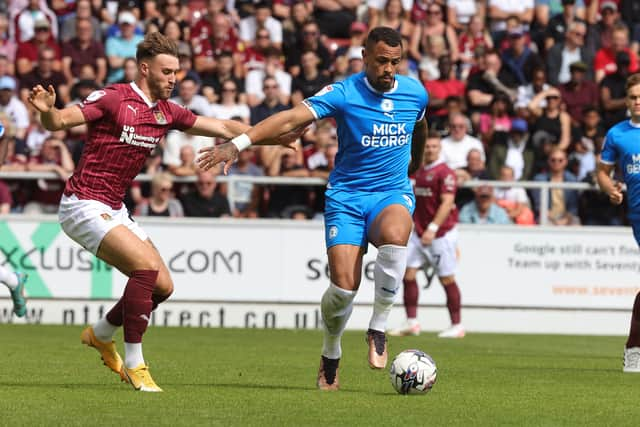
[[242, 377]]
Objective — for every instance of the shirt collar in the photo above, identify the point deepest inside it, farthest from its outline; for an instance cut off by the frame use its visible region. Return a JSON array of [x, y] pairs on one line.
[[144, 97]]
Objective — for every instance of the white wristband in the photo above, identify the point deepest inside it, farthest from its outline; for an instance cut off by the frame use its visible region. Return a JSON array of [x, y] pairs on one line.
[[433, 227], [241, 142]]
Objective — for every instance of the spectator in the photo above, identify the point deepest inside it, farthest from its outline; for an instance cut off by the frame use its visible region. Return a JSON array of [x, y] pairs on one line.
[[254, 55], [69, 28], [53, 157], [630, 11], [393, 14], [442, 88], [14, 109], [428, 66], [180, 152], [172, 11], [613, 92], [83, 50], [212, 83], [475, 36], [23, 26], [335, 16], [460, 13], [45, 75], [246, 195], [563, 204], [5, 197], [129, 70], [514, 200], [292, 26], [587, 138], [261, 19], [189, 98], [497, 120], [564, 53], [310, 40], [601, 31], [456, 146], [353, 63], [527, 92], [434, 25], [514, 153], [172, 29], [270, 105], [285, 199], [205, 201], [211, 37], [483, 209], [161, 202], [518, 58], [578, 92], [230, 105], [119, 48], [561, 23], [8, 46], [551, 121], [500, 10], [273, 68], [310, 80], [605, 62], [27, 54], [596, 208]]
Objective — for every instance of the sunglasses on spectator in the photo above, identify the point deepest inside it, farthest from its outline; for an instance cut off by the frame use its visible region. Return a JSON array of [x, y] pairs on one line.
[[556, 159], [553, 97]]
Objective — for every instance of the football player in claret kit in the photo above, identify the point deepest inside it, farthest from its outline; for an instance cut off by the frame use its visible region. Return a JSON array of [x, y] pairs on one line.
[[434, 239], [622, 146], [381, 132], [126, 122]]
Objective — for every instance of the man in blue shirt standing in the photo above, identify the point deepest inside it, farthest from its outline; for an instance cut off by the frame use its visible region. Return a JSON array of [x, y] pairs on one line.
[[381, 135], [621, 146]]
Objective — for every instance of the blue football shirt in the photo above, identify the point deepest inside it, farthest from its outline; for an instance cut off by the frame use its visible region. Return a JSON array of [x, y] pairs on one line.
[[622, 145], [374, 131]]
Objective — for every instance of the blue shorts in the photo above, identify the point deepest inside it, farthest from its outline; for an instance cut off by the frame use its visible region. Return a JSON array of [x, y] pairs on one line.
[[349, 214], [635, 226]]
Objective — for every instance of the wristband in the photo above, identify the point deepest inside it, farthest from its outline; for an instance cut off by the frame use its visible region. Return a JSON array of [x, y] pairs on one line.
[[433, 227], [241, 142]]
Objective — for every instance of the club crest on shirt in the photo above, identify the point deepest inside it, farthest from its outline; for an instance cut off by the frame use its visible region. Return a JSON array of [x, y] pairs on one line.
[[333, 232], [386, 105], [160, 118], [106, 216]]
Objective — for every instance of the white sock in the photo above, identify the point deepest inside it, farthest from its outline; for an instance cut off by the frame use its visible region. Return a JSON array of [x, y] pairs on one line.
[[412, 321], [389, 269], [8, 277], [133, 354], [103, 330], [336, 307]]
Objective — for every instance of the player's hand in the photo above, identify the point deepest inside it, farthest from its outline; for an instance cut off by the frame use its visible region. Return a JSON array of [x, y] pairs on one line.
[[43, 100], [211, 156], [290, 138], [427, 237], [616, 195]]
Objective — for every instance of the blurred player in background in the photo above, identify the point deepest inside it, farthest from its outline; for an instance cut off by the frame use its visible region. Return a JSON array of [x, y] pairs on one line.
[[434, 239], [13, 280], [126, 122], [381, 133], [621, 147]]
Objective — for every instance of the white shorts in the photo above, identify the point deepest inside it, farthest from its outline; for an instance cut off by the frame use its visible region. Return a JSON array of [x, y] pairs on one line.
[[441, 254], [88, 221]]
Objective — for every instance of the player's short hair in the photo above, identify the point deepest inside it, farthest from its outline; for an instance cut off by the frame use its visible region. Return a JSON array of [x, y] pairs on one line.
[[155, 44], [387, 35], [632, 80]]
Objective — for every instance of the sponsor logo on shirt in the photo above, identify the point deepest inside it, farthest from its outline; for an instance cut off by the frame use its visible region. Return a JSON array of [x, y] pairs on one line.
[[129, 136], [387, 135], [324, 90], [95, 95]]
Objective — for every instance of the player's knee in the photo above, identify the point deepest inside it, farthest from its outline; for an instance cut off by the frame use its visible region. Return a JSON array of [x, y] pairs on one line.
[[164, 285], [345, 280], [409, 275], [447, 280]]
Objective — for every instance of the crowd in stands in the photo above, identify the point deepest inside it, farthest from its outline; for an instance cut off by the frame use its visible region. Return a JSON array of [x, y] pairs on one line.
[[518, 90]]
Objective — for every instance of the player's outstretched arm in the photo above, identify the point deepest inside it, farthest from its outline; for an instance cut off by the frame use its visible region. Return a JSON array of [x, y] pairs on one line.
[[208, 126], [52, 118], [283, 128], [418, 139], [607, 184]]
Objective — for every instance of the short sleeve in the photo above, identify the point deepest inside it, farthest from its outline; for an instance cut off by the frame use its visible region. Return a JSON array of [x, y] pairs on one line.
[[183, 118], [424, 101], [99, 103], [327, 102], [609, 154], [448, 182]]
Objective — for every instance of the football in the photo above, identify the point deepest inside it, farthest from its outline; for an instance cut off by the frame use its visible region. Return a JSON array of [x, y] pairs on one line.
[[413, 372]]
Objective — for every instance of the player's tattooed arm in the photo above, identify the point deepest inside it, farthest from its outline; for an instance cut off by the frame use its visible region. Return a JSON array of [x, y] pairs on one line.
[[418, 140], [607, 184]]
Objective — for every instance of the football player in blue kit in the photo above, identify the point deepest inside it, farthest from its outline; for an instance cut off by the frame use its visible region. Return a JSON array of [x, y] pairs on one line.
[[622, 147], [369, 198]]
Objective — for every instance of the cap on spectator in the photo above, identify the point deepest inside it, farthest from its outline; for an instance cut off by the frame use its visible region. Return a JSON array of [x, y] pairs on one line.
[[7, 83], [358, 27], [184, 49], [355, 52], [262, 4], [519, 125], [623, 58], [516, 31], [609, 5], [578, 66], [42, 22], [126, 17]]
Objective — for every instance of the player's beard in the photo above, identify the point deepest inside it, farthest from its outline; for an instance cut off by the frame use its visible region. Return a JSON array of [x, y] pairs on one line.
[[384, 85], [158, 91]]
